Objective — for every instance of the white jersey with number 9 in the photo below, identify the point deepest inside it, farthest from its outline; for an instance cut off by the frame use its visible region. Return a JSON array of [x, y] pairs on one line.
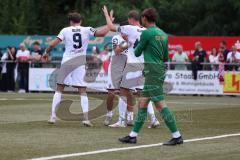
[[76, 39]]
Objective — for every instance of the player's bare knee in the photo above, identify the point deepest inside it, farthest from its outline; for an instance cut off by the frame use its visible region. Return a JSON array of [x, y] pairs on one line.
[[160, 105], [60, 88], [82, 91]]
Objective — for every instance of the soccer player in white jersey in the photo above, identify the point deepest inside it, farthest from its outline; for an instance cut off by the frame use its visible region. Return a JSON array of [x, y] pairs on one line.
[[76, 39], [132, 78], [115, 73]]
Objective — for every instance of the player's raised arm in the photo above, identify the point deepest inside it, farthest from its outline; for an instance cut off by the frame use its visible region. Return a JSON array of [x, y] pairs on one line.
[[55, 42], [101, 32], [104, 30], [109, 19]]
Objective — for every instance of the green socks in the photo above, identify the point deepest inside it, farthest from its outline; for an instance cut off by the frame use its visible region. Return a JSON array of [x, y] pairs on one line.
[[139, 120], [169, 119]]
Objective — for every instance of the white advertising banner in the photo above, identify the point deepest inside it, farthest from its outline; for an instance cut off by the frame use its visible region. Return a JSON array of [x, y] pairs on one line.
[[183, 82], [39, 80]]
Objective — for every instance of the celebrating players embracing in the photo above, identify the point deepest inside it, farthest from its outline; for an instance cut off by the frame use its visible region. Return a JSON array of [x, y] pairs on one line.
[[132, 73]]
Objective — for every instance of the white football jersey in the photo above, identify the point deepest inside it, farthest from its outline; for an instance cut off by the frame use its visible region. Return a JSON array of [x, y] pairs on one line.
[[76, 39], [133, 33]]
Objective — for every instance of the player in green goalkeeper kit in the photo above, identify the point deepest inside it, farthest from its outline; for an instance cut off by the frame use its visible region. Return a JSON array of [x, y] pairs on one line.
[[154, 45]]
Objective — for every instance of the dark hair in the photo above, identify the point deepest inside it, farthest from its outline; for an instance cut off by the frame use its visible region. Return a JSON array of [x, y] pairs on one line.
[[224, 43], [124, 23], [134, 15], [75, 17], [36, 43], [150, 14]]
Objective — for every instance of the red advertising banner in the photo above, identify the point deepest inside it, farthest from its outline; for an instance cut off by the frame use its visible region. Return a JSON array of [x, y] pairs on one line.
[[188, 43]]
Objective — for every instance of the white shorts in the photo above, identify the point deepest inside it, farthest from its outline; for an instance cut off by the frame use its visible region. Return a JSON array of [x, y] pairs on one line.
[[115, 71], [114, 81], [132, 76], [72, 75]]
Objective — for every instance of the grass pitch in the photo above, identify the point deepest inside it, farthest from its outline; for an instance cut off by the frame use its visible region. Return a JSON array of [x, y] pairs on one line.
[[25, 133]]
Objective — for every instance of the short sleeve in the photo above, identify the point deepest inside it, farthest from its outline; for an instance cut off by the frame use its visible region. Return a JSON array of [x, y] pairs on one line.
[[27, 53], [186, 56], [61, 35], [124, 29], [17, 55], [91, 31], [174, 57], [229, 56]]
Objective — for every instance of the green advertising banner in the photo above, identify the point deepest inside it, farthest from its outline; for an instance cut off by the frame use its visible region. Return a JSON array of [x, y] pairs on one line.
[[28, 40]]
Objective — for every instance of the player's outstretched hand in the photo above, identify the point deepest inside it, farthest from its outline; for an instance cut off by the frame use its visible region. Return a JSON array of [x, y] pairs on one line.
[[45, 57], [111, 16], [105, 10]]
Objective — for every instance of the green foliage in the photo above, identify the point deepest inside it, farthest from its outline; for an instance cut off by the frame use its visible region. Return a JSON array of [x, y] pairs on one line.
[[177, 17]]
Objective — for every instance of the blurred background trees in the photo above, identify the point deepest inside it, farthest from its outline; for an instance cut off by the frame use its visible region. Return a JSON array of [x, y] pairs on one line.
[[176, 17]]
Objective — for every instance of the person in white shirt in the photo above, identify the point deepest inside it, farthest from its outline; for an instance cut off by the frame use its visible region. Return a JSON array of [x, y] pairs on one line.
[[213, 58], [180, 57], [233, 57], [76, 39], [132, 75], [23, 56]]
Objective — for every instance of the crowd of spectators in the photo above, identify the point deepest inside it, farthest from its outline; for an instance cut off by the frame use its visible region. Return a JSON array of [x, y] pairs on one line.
[[200, 59], [14, 66]]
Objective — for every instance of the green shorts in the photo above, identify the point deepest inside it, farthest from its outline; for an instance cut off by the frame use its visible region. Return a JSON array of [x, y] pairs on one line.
[[153, 88]]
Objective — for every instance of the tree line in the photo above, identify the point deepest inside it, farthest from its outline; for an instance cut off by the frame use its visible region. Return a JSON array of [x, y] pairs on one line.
[[176, 17]]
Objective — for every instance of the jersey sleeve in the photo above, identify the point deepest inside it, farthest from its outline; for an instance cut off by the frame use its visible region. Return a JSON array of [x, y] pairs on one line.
[[142, 44], [115, 42], [165, 48], [61, 35], [127, 29], [91, 31]]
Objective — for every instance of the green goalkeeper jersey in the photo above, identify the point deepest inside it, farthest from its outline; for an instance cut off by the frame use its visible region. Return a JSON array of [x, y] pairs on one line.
[[154, 45]]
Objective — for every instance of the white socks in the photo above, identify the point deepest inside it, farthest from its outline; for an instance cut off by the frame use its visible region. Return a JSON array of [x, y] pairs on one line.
[[84, 105], [176, 134], [122, 107], [109, 113], [151, 112], [133, 134], [56, 100]]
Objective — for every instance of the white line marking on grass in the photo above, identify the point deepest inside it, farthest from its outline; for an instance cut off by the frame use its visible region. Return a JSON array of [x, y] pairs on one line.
[[130, 148]]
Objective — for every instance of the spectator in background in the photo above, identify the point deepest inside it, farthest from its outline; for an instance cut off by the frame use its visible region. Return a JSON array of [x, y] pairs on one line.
[[11, 69], [221, 65], [223, 46], [233, 57], [199, 57], [23, 55], [4, 70], [0, 63], [36, 54], [105, 58], [95, 52], [180, 57], [213, 58]]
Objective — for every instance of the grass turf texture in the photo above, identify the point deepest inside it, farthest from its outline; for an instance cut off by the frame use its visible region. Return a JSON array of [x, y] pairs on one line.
[[25, 133]]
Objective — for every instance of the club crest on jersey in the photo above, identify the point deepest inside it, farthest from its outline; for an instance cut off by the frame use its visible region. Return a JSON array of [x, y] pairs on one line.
[[159, 38]]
